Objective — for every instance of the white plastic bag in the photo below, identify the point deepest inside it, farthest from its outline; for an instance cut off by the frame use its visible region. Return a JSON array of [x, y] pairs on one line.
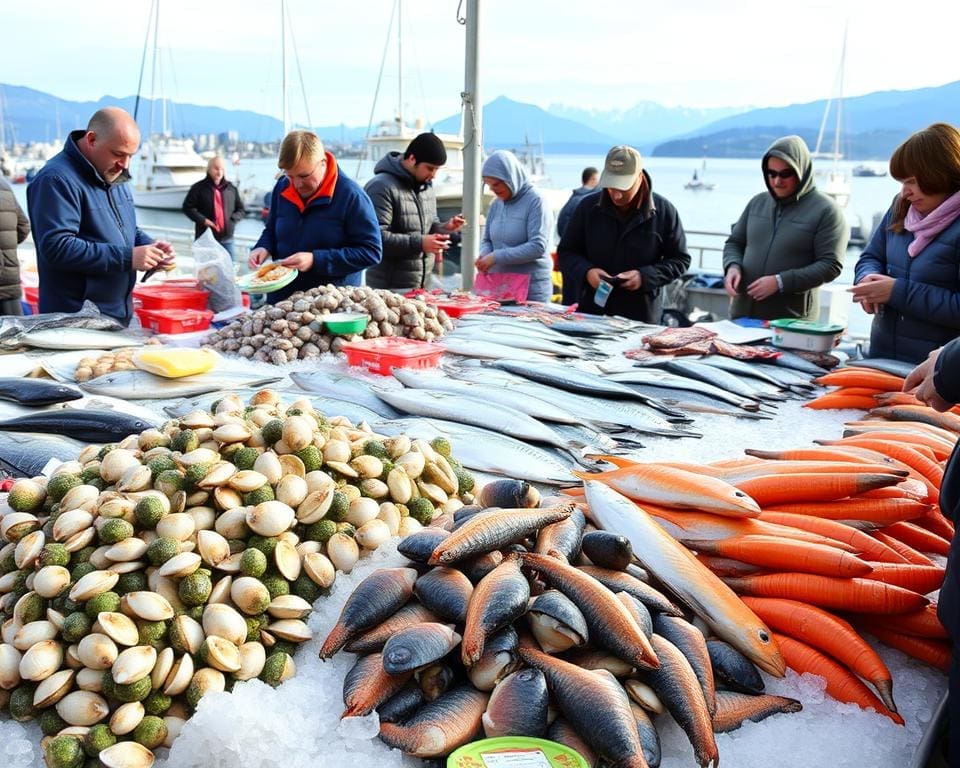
[[213, 267]]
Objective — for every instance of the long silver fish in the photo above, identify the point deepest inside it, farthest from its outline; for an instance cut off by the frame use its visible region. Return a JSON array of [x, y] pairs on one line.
[[536, 407], [36, 392], [485, 451], [657, 377], [489, 350], [342, 387], [715, 376], [521, 341], [141, 385], [602, 410], [471, 410], [527, 328], [77, 338]]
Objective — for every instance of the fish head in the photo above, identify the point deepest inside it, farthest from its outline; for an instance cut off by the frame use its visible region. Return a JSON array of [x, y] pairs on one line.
[[766, 653]]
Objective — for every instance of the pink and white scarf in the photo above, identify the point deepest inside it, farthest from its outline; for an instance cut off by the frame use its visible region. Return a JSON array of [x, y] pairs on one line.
[[926, 228]]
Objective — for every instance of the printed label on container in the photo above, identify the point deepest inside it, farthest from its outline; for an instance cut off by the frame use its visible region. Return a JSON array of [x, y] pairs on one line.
[[515, 758]]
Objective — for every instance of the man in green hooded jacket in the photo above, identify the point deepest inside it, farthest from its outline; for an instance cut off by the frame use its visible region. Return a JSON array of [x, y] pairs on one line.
[[789, 240]]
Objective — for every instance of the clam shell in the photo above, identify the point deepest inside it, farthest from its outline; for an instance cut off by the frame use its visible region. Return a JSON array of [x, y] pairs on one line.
[[126, 550], [149, 606], [9, 667], [362, 510], [271, 518], [318, 480], [51, 580], [83, 708], [343, 468], [247, 480], [71, 522], [221, 590], [93, 584], [288, 607], [372, 534], [97, 651], [82, 497], [290, 629], [25, 555], [231, 433], [249, 595], [180, 675], [129, 566], [199, 456], [190, 632], [222, 654], [35, 632], [409, 525], [320, 569], [337, 451], [197, 420], [291, 490], [412, 463], [53, 688], [252, 658], [219, 474], [287, 560], [212, 547], [179, 566], [176, 525], [316, 504], [400, 485], [232, 524], [390, 514], [134, 664], [41, 660], [134, 479], [89, 679], [343, 552], [293, 465], [126, 754], [227, 498], [115, 463], [80, 540], [126, 717], [162, 668], [231, 564], [367, 466], [203, 517], [224, 621]]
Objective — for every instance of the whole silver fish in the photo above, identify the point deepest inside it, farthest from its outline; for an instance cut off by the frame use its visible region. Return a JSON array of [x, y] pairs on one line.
[[527, 328], [141, 385], [485, 451], [489, 350], [528, 404], [36, 392], [77, 338], [717, 377], [27, 455], [471, 410], [341, 387], [521, 341], [89, 425], [658, 377]]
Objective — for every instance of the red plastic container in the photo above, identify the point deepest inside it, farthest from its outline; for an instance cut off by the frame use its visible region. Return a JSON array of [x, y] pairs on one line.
[[175, 320], [31, 296], [457, 306], [380, 355], [171, 294]]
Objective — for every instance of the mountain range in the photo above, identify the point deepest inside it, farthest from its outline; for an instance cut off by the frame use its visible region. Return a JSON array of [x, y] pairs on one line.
[[872, 125]]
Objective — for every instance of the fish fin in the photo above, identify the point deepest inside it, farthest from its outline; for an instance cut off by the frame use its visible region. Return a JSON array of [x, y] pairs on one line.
[[617, 461]]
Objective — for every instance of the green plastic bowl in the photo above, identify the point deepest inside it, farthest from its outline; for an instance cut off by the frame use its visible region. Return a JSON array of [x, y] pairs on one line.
[[520, 751], [346, 323]]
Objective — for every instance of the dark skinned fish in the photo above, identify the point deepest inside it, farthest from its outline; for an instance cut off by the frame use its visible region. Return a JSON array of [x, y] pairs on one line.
[[367, 686], [734, 708], [518, 706], [418, 646], [500, 597], [440, 726], [373, 639], [92, 426], [36, 392], [446, 592]]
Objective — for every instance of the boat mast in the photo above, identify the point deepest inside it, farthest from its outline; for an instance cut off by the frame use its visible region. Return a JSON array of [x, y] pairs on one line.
[[400, 65], [472, 147], [836, 130], [283, 56], [153, 70]]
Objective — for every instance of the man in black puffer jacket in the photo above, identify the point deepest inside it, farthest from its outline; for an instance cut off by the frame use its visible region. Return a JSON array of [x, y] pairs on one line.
[[406, 207], [14, 228]]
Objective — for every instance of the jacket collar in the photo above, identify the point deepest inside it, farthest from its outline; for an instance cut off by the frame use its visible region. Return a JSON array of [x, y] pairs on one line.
[[324, 191], [72, 150]]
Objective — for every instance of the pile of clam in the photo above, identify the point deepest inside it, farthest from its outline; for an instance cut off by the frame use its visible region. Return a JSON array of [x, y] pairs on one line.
[[293, 328], [184, 559]]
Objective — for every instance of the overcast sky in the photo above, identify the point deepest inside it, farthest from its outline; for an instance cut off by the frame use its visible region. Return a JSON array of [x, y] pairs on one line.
[[600, 54]]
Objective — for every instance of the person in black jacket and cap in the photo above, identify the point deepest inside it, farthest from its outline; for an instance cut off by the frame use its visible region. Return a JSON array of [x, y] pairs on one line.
[[214, 203], [406, 206]]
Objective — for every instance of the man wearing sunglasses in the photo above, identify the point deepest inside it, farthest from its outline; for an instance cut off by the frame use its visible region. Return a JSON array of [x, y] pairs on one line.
[[788, 242]]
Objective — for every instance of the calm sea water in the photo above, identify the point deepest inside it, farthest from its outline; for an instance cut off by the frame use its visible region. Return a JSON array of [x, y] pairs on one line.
[[701, 211]]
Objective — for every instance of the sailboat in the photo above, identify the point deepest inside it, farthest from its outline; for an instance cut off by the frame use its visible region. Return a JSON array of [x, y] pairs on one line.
[[837, 185], [167, 166]]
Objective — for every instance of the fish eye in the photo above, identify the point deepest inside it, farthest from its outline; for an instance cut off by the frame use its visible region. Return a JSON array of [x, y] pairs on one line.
[[764, 637]]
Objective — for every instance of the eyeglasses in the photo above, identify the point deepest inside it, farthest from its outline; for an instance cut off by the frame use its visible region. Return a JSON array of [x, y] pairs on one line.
[[786, 173]]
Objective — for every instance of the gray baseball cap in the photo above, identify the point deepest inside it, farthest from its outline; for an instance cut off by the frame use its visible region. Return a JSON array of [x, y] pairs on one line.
[[622, 168]]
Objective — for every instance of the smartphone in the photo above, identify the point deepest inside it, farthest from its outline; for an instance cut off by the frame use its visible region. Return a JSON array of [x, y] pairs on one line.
[[614, 279]]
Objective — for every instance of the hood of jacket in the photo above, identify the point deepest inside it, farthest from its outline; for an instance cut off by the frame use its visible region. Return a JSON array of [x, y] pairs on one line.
[[391, 163], [794, 152], [504, 165]]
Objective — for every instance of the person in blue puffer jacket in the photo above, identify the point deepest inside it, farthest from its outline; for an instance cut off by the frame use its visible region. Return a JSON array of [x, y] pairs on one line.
[[516, 238], [908, 276], [321, 222]]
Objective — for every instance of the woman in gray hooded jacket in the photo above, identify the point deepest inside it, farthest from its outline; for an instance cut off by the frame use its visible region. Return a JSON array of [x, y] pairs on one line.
[[516, 238], [14, 228], [789, 240]]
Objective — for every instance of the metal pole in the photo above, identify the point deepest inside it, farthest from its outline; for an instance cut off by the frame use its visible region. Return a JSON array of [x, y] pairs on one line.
[[472, 149]]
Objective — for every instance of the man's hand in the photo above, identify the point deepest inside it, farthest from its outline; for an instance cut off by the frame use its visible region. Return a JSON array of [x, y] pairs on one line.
[[435, 244], [731, 281], [302, 260], [485, 263], [873, 291], [594, 275], [454, 223], [632, 280], [258, 256], [211, 225], [920, 382], [763, 288], [146, 257]]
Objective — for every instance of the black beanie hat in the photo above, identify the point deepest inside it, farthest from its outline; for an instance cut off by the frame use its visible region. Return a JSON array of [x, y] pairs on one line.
[[427, 148]]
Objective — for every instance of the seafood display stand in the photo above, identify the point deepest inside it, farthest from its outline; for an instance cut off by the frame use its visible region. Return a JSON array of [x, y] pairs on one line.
[[298, 723]]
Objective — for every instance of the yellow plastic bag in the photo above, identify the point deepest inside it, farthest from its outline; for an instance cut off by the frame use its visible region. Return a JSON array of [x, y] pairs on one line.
[[175, 362]]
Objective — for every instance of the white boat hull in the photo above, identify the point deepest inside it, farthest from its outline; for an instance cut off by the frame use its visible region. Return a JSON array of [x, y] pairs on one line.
[[163, 199]]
